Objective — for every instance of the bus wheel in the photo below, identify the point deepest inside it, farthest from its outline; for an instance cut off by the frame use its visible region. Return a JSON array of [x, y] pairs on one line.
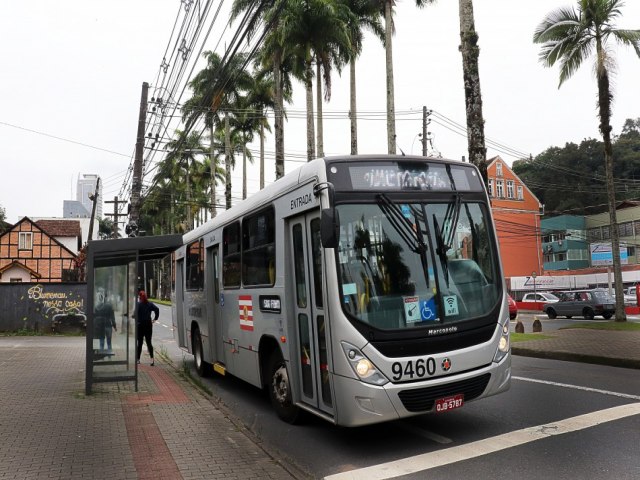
[[280, 390], [202, 367]]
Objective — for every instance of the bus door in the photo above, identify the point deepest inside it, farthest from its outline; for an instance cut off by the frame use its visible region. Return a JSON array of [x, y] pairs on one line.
[[214, 305], [179, 325], [312, 334]]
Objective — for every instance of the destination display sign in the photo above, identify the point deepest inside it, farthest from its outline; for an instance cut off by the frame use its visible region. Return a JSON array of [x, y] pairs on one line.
[[413, 176]]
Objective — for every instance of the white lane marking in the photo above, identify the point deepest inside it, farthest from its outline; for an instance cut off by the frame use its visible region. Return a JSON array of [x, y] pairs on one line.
[[578, 387], [424, 433], [427, 461]]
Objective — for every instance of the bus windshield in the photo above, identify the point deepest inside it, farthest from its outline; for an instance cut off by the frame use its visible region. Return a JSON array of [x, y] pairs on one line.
[[412, 265]]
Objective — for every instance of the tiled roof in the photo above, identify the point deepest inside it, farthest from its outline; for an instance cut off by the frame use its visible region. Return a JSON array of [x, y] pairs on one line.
[[60, 228]]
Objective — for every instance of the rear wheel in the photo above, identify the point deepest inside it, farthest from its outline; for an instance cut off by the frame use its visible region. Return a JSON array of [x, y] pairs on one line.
[[569, 316], [588, 314], [202, 367], [280, 390], [551, 313], [607, 316]]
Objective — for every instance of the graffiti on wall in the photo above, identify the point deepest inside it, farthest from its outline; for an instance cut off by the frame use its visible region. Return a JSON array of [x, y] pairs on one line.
[[57, 303]]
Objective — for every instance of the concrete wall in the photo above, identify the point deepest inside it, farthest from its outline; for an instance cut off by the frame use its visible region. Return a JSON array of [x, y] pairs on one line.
[[43, 307]]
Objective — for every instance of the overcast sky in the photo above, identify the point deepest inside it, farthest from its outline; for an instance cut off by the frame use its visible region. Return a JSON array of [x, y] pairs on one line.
[[74, 70]]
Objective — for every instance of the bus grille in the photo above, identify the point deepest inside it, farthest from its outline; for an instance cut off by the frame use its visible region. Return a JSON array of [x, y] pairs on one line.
[[422, 399]]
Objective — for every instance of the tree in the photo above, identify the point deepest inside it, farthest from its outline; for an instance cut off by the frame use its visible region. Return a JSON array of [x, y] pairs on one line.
[[473, 98], [268, 11], [569, 36], [387, 6], [105, 228], [366, 15]]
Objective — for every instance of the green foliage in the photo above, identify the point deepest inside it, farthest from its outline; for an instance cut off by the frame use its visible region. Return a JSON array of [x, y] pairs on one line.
[[525, 337], [571, 179], [616, 326]]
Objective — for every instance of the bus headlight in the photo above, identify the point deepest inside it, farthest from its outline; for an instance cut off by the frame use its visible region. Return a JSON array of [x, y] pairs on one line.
[[504, 345], [362, 366]]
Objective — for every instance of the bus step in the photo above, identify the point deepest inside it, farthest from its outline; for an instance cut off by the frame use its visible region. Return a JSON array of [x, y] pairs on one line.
[[219, 368]]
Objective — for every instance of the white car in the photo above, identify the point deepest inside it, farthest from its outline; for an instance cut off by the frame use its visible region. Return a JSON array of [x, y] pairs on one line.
[[542, 297]]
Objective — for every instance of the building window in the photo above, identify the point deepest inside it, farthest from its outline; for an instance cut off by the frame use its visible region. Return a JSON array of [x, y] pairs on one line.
[[500, 188], [25, 241], [606, 234], [626, 229], [520, 192], [510, 186], [499, 169], [491, 187], [594, 234]]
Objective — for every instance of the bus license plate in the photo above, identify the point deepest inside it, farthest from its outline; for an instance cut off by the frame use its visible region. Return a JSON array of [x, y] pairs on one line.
[[449, 403]]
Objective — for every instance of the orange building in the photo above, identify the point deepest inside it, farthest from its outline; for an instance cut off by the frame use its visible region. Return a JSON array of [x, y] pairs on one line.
[[517, 212]]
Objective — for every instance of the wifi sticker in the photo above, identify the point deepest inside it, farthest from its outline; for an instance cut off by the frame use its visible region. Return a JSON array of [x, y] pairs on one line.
[[450, 305]]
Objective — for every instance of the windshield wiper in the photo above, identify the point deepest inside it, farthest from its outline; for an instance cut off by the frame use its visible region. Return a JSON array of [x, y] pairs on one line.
[[413, 238], [401, 224]]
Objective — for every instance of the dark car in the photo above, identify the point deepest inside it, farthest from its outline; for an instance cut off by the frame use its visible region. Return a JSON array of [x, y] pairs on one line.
[[513, 308], [582, 303]]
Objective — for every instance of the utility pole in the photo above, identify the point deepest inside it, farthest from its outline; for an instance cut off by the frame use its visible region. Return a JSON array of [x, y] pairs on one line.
[[136, 183], [425, 132], [115, 215], [94, 198]]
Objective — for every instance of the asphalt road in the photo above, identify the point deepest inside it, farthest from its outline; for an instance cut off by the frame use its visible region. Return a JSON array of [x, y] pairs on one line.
[[559, 420]]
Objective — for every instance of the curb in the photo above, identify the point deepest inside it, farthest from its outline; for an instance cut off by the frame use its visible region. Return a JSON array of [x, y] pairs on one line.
[[576, 357]]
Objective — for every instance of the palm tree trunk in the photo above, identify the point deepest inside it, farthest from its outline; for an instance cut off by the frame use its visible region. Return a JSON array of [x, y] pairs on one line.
[[473, 98], [311, 151], [212, 165], [391, 114], [604, 105], [279, 116], [353, 114], [244, 168], [262, 152], [227, 162], [319, 110]]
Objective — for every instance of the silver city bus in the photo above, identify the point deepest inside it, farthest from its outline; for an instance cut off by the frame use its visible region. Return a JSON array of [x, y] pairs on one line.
[[360, 289]]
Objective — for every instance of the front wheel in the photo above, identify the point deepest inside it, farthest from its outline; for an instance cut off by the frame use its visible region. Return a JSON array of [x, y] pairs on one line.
[[551, 313], [607, 316], [280, 390], [588, 314]]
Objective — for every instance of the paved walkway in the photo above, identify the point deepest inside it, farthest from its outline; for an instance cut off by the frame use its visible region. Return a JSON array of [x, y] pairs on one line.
[[168, 430]]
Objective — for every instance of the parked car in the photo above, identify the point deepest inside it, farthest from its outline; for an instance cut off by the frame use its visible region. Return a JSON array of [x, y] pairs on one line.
[[513, 308], [582, 303], [542, 297]]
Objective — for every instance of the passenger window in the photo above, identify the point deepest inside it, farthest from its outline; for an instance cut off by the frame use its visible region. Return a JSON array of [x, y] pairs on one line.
[[258, 249], [231, 255], [195, 266]]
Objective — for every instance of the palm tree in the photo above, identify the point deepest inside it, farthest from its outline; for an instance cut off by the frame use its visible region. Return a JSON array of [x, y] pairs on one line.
[[308, 31], [268, 11], [365, 15], [182, 150], [570, 36], [387, 6], [246, 122], [261, 98], [473, 98]]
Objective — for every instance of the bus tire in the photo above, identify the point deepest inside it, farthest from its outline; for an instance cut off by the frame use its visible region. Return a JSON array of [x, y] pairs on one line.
[[279, 388], [202, 367]]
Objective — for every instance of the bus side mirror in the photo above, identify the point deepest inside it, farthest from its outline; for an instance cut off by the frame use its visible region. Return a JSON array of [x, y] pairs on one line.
[[329, 228]]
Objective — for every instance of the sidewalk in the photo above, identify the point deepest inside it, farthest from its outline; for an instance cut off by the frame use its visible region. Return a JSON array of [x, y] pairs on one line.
[[604, 347], [167, 430]]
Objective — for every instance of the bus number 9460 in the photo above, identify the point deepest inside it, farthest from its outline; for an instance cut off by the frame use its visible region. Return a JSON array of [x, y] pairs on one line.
[[413, 370]]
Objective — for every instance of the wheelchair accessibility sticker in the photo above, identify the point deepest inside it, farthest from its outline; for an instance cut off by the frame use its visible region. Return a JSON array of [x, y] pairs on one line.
[[428, 310]]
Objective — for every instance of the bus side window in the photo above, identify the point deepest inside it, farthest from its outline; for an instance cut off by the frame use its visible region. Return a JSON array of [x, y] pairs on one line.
[[231, 255]]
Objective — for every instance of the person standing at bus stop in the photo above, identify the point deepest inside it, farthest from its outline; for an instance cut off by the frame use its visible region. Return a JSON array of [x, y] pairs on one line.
[[144, 308]]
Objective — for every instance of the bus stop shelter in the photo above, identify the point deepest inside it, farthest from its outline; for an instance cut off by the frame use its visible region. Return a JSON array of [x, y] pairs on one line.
[[113, 268]]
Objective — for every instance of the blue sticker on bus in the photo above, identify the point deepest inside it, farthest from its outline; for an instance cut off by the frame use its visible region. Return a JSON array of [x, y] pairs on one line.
[[428, 309]]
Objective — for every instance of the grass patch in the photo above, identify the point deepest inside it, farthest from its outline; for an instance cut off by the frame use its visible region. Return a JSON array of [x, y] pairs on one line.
[[185, 372], [615, 326], [525, 337], [157, 301], [24, 332]]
